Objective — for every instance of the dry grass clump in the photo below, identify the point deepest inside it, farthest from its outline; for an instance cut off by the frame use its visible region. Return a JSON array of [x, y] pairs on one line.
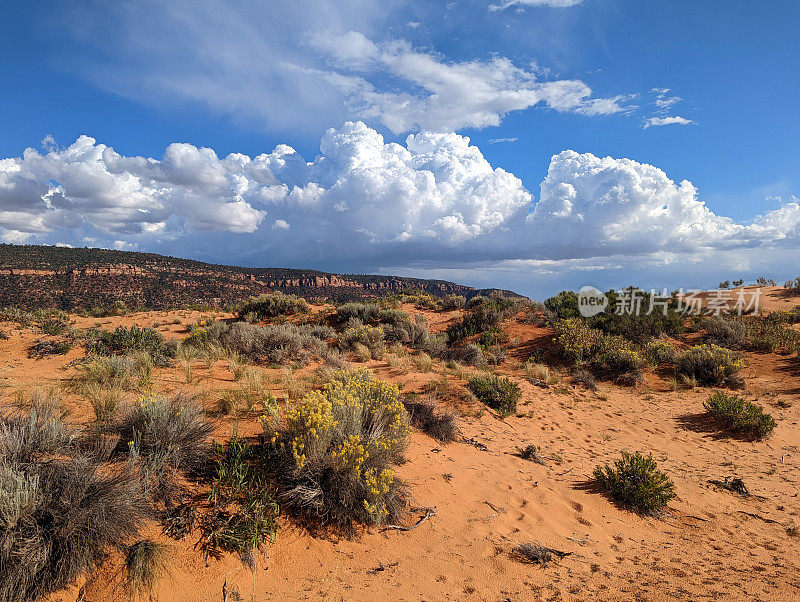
[[499, 393], [61, 510], [331, 453], [147, 562], [740, 417], [536, 373], [162, 436], [636, 482]]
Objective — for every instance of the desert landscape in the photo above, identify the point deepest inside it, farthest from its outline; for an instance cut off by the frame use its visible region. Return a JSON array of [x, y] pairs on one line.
[[488, 300], [497, 495]]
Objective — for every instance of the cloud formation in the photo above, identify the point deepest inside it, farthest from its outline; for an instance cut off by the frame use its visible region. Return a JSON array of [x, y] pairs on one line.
[[305, 65], [524, 3], [658, 121], [434, 201]]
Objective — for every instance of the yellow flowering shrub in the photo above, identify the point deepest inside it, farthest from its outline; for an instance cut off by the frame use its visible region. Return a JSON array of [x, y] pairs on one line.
[[332, 451], [709, 364], [616, 355]]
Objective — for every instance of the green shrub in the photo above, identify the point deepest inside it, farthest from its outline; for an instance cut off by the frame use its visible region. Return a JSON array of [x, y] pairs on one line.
[[470, 354], [274, 305], [636, 482], [709, 364], [363, 312], [499, 393], [739, 416], [481, 317], [245, 511], [331, 453], [451, 302], [54, 325], [725, 332]]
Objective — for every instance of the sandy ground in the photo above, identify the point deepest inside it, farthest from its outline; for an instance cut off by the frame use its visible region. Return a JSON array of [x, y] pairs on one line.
[[711, 544]]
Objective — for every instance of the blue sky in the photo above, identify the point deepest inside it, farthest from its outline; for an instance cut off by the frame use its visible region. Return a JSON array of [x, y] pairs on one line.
[[525, 83]]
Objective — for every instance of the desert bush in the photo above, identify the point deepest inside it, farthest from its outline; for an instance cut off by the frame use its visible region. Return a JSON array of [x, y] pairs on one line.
[[273, 305], [536, 373], [615, 356], [147, 562], [47, 347], [363, 312], [424, 415], [659, 352], [37, 429], [480, 318], [422, 362], [121, 341], [370, 337], [162, 436], [451, 302], [637, 327], [332, 452], [499, 393], [274, 343], [114, 372], [576, 340], [636, 482], [54, 325], [407, 331], [739, 416], [709, 364], [470, 354], [725, 332]]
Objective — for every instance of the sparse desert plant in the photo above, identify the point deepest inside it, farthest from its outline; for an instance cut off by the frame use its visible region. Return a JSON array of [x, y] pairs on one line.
[[709, 364], [499, 393], [532, 453], [739, 416], [424, 415], [361, 353], [274, 305], [332, 452], [104, 402], [536, 553], [636, 482], [584, 378], [54, 325], [146, 562], [422, 362], [363, 312]]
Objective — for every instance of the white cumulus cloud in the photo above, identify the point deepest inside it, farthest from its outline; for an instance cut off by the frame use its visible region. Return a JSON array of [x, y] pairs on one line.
[[658, 121]]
